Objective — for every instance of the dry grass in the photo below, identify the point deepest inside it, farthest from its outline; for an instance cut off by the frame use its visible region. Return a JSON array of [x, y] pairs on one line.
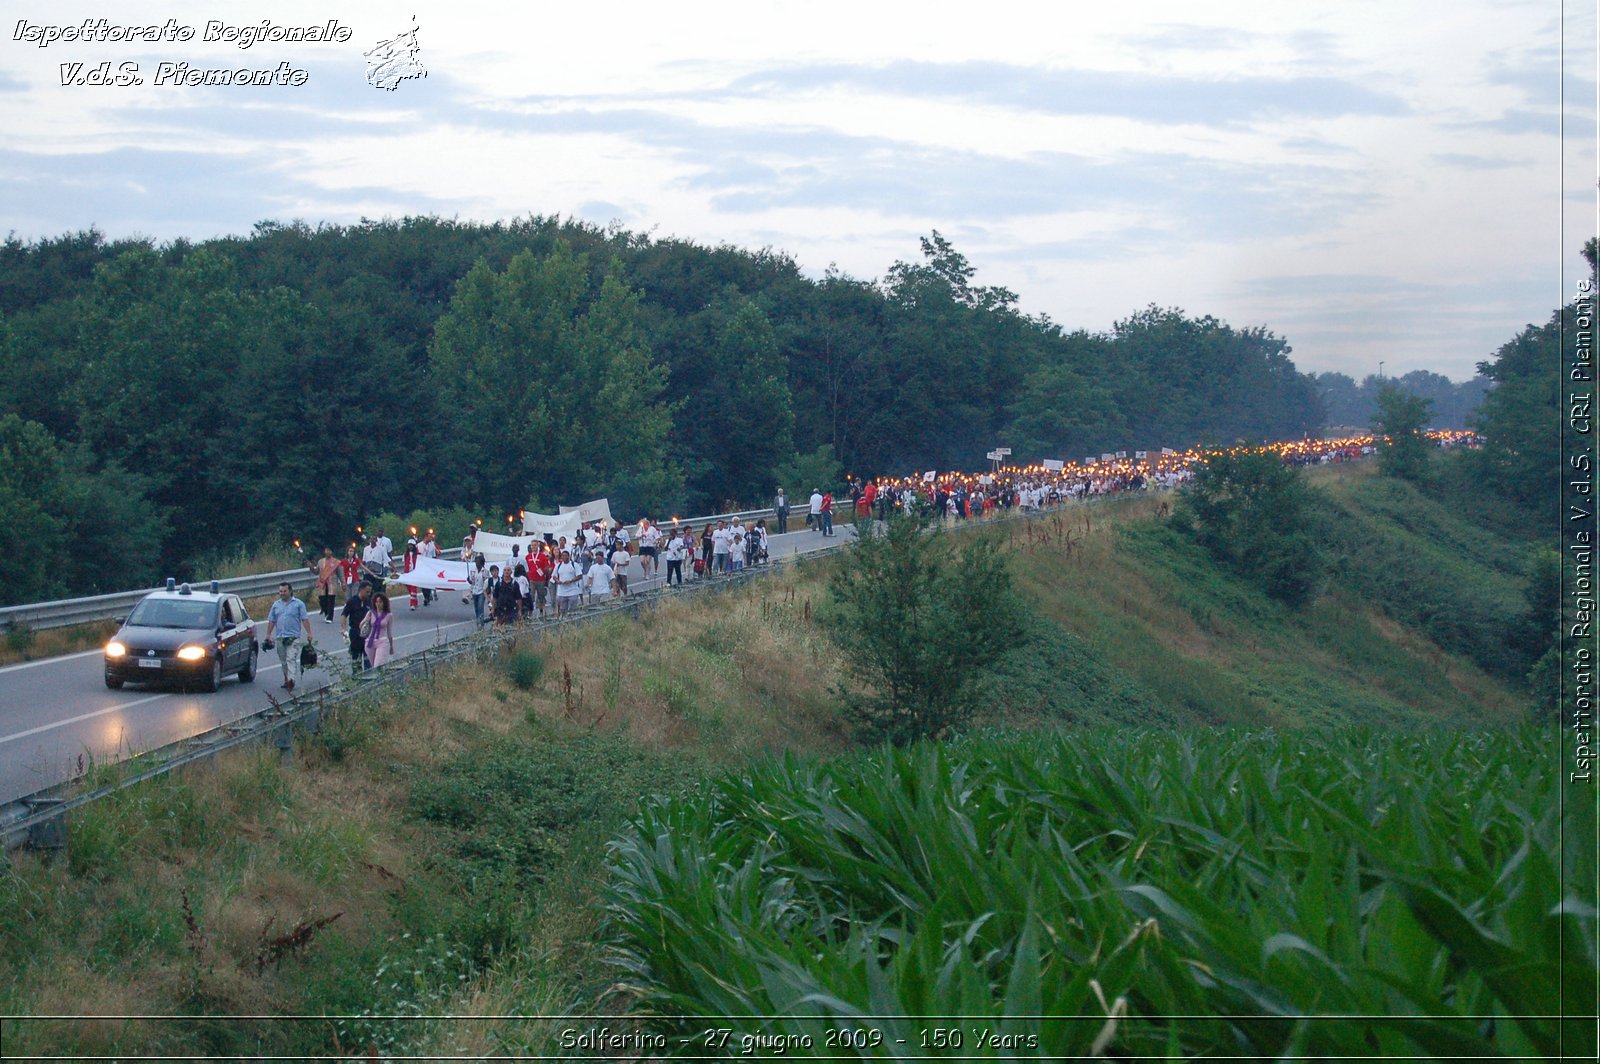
[[1477, 687], [19, 645], [725, 677], [731, 675], [278, 849], [261, 559]]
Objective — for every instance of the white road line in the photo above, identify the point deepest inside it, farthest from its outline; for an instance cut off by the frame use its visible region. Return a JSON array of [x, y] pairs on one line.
[[49, 661], [84, 716]]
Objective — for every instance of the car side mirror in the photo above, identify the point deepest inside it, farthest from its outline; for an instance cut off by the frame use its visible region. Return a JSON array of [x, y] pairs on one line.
[[119, 620]]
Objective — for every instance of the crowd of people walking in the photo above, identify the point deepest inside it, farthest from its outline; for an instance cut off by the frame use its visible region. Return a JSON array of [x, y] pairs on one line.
[[604, 560]]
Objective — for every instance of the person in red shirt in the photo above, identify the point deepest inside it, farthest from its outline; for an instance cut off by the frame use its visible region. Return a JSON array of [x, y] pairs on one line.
[[411, 563], [350, 572], [539, 569], [827, 513]]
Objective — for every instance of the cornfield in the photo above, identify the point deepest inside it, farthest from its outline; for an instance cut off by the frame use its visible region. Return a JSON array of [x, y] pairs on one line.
[[1339, 895]]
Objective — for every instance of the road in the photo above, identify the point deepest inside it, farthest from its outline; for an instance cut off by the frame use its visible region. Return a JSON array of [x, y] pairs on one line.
[[57, 717]]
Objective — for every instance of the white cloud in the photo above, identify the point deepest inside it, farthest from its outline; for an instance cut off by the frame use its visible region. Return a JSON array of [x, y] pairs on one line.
[[1094, 160]]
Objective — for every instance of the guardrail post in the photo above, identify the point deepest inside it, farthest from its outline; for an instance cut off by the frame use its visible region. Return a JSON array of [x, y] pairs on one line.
[[283, 739], [48, 834]]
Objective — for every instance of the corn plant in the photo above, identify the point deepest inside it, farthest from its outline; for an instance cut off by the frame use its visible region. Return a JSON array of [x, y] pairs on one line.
[[1211, 893]]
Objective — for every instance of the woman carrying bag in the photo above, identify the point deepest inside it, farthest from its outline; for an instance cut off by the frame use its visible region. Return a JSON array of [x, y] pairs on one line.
[[378, 627]]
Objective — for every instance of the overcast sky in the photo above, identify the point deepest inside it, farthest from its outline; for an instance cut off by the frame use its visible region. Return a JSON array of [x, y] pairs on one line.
[[1374, 182]]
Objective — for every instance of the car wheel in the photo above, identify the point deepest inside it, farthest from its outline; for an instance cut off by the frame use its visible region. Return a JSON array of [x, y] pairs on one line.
[[214, 680], [248, 673], [114, 682]]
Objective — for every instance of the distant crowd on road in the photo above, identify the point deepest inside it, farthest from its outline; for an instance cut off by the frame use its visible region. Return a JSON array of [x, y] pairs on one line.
[[556, 576]]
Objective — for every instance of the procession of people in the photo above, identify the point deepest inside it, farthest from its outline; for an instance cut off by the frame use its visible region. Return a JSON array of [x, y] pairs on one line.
[[508, 580]]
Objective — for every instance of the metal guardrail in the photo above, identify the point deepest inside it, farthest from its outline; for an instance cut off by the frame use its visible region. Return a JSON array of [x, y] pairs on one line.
[[37, 817], [65, 612], [34, 817]]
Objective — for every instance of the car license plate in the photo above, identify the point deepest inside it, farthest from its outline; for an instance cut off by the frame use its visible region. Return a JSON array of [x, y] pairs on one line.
[[149, 663]]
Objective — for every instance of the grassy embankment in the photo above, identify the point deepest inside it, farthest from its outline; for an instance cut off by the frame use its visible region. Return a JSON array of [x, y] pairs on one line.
[[441, 849]]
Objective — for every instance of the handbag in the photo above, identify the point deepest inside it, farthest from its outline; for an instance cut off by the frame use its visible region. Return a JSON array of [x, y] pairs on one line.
[[308, 656]]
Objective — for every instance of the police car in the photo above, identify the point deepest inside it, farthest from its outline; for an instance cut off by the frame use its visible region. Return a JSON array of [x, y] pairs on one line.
[[184, 636]]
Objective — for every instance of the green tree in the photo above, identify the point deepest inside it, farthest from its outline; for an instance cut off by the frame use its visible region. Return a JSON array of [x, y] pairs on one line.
[[1536, 636], [194, 381], [1253, 513], [819, 469], [1401, 420], [839, 371], [60, 510], [1520, 421], [1061, 413], [920, 621], [548, 388], [747, 409]]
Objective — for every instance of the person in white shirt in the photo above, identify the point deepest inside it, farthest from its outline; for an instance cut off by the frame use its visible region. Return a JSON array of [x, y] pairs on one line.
[[649, 547], [760, 534], [720, 539], [524, 591], [428, 549], [477, 588], [568, 578], [600, 579], [816, 509], [736, 547], [678, 551], [375, 559], [388, 547], [621, 562]]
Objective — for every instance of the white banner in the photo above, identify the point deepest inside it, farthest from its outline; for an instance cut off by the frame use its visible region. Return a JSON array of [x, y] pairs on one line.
[[596, 510], [1054, 464], [538, 525], [927, 478], [438, 574], [497, 548], [986, 479], [1108, 457]]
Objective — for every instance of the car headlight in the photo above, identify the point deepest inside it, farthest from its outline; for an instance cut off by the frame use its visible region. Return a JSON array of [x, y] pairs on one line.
[[191, 653], [115, 649]]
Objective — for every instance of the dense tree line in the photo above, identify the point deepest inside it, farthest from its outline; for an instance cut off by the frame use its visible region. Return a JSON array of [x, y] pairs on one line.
[[1352, 404], [290, 382]]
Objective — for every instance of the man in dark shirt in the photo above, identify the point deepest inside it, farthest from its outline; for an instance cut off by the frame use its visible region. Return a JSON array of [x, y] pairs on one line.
[[354, 612], [507, 597]]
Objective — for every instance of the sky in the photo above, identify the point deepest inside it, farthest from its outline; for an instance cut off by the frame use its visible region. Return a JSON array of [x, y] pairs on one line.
[[1395, 185]]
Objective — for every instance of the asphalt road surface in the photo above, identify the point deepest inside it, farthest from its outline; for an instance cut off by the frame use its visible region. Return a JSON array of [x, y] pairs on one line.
[[57, 717]]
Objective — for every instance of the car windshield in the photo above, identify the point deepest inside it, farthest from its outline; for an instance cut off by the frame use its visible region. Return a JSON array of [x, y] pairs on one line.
[[174, 613]]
